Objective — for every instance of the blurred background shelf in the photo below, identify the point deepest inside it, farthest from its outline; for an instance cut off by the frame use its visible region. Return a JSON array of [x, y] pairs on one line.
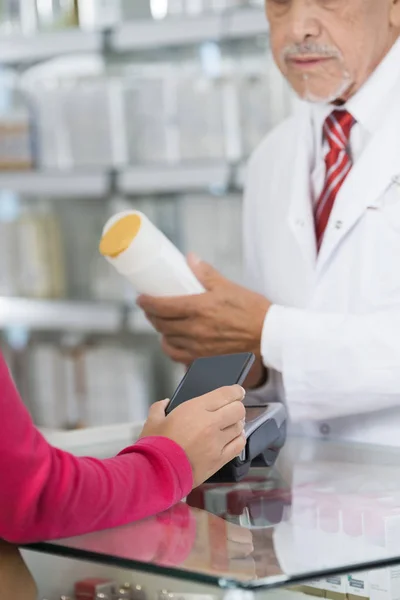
[[169, 179], [23, 49], [47, 315], [62, 184], [71, 316], [131, 181], [133, 36], [145, 35]]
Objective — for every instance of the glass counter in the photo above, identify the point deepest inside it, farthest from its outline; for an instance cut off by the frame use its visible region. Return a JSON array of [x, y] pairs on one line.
[[325, 513]]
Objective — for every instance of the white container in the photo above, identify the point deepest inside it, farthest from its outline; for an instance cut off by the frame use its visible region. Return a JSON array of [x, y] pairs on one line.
[[200, 115], [99, 14], [336, 584], [150, 107], [57, 14], [146, 257], [385, 584]]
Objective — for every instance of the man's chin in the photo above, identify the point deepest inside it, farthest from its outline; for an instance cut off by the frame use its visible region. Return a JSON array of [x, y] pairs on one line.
[[319, 95]]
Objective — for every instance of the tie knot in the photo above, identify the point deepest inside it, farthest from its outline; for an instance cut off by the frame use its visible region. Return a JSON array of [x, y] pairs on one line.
[[337, 129]]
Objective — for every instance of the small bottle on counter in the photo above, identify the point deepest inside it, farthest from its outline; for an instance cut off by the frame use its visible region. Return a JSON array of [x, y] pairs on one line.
[[138, 593], [95, 589], [124, 592]]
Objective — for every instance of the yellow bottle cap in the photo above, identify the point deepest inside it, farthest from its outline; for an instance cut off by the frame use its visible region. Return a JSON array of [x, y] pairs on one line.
[[120, 236]]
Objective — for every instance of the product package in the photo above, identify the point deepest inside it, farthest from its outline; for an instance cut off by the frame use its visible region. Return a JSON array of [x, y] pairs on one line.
[[336, 587], [358, 586], [146, 257], [385, 584]]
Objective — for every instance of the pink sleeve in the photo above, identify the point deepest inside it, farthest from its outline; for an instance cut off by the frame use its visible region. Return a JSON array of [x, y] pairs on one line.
[[46, 493]]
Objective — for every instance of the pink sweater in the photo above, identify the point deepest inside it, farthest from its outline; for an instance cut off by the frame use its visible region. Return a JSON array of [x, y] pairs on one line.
[[46, 493]]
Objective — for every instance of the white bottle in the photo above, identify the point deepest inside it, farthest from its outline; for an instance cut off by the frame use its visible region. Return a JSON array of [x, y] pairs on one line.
[[146, 257]]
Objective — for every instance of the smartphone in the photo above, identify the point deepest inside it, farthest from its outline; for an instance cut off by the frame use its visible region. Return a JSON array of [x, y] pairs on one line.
[[208, 374]]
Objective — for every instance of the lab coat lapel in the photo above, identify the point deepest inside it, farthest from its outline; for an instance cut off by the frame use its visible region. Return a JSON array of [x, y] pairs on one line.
[[301, 217], [369, 178]]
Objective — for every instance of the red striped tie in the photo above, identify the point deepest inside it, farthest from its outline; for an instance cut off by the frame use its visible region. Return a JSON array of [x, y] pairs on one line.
[[338, 162]]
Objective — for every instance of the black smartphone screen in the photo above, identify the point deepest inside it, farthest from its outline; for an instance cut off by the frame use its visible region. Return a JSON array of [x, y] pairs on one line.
[[208, 374]]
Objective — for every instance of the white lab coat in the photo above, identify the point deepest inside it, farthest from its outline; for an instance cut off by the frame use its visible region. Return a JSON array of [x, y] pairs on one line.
[[340, 318]]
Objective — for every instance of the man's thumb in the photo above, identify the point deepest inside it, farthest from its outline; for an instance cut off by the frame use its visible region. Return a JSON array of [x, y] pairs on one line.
[[205, 273]]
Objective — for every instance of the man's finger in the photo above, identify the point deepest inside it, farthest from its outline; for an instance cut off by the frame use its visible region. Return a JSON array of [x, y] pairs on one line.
[[182, 307], [209, 277], [178, 355], [172, 327]]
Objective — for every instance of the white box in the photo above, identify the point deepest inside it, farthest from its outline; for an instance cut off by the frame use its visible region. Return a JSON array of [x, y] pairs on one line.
[[385, 584], [336, 584], [358, 584]]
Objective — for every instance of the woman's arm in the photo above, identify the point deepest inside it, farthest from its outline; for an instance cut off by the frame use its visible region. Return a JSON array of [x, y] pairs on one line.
[[46, 493]]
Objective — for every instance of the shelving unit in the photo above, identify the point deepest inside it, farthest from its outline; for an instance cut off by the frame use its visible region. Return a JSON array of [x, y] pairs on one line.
[[134, 36], [63, 184], [180, 178], [69, 316], [19, 49], [146, 35], [47, 315], [131, 181]]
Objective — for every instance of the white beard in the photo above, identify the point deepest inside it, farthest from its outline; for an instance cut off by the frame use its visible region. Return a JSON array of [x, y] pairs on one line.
[[344, 86]]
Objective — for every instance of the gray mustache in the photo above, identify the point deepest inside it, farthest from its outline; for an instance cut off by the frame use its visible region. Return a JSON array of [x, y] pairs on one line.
[[306, 50]]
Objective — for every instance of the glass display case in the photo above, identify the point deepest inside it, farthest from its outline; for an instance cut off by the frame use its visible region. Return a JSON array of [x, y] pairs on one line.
[[323, 522]]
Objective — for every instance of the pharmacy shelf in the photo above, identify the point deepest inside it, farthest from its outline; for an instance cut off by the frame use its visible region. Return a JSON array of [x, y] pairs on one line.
[[130, 181], [181, 178], [145, 35], [20, 49], [71, 316], [63, 184], [47, 315], [137, 35]]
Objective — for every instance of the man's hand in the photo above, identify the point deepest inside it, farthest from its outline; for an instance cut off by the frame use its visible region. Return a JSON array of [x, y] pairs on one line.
[[228, 318], [209, 429]]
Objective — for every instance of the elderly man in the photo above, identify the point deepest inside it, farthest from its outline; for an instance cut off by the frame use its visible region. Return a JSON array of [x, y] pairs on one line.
[[322, 232]]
